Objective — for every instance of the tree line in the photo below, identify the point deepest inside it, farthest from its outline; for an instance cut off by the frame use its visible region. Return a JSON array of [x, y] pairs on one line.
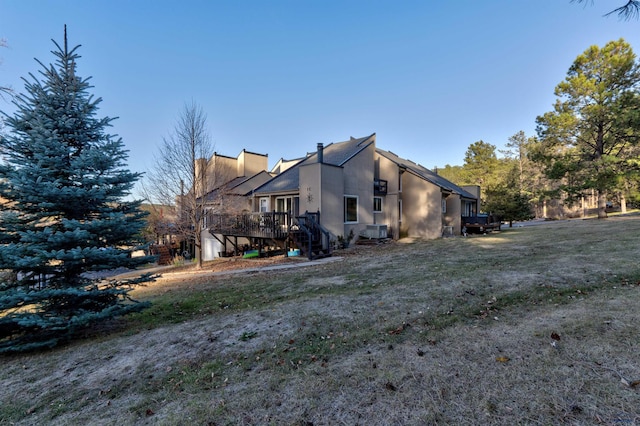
[[588, 145]]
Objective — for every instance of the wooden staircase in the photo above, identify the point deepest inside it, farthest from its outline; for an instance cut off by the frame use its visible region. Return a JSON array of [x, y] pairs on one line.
[[310, 237], [163, 253]]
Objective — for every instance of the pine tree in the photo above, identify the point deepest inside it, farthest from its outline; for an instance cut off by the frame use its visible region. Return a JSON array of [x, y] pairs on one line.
[[63, 213]]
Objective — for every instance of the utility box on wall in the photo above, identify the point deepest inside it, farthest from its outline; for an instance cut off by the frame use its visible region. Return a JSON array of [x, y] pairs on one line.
[[375, 231]]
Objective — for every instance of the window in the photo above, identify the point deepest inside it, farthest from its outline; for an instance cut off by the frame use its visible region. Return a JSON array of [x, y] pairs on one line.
[[444, 205], [380, 187], [350, 209], [264, 205], [284, 204], [468, 209], [377, 204]]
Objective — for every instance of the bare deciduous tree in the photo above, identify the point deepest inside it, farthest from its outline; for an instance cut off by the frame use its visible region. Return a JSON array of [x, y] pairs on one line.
[[179, 176]]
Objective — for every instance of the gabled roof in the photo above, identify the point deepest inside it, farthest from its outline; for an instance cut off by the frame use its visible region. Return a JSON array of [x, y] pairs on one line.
[[239, 186], [426, 174], [283, 165], [335, 154]]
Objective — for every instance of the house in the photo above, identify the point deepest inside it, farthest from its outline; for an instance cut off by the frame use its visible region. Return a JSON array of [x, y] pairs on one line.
[[428, 205], [354, 185], [228, 183], [339, 191], [221, 169]]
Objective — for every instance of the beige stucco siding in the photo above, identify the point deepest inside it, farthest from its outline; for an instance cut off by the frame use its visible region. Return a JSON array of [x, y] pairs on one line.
[[309, 187], [388, 170], [452, 217], [331, 210], [249, 163], [321, 188], [358, 181], [421, 207]]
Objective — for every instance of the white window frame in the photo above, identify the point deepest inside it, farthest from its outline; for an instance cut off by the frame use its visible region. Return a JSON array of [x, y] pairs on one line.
[[263, 205], [444, 205], [345, 197], [374, 205], [286, 200]]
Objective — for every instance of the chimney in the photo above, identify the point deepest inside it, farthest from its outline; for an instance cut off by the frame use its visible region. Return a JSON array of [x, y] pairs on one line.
[[320, 153]]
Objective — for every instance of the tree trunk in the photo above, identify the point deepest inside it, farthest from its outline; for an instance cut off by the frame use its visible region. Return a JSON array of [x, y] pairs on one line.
[[623, 204], [198, 244], [199, 256], [602, 205]]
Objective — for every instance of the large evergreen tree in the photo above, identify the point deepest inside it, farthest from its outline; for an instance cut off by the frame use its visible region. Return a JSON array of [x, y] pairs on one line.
[[628, 10], [481, 164], [63, 213], [591, 139]]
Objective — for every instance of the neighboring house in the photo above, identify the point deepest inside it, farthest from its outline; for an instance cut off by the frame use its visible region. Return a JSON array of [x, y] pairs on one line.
[[561, 208], [283, 165], [221, 168], [229, 184]]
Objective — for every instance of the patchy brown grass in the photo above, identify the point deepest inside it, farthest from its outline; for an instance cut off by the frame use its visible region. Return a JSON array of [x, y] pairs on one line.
[[534, 325]]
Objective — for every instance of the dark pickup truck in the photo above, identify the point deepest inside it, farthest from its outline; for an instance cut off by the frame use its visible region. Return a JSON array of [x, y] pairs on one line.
[[481, 223]]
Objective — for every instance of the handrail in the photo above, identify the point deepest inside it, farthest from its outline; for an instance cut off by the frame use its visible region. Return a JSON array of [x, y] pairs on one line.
[[310, 223]]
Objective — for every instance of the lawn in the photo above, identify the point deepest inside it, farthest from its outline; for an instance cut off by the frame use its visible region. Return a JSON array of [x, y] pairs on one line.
[[532, 325]]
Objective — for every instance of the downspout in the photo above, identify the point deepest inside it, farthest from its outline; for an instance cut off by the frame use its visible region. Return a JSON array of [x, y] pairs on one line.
[[320, 147]]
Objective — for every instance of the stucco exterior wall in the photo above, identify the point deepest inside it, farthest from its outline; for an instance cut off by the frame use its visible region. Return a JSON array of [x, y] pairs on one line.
[[321, 188], [358, 181], [309, 184], [387, 170], [331, 208], [249, 163], [220, 169], [421, 207], [453, 215]]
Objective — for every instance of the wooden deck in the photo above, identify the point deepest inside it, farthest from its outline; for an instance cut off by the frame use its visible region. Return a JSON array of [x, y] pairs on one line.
[[275, 230], [270, 225]]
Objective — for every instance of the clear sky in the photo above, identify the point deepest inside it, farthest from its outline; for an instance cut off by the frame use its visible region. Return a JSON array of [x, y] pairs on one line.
[[277, 77]]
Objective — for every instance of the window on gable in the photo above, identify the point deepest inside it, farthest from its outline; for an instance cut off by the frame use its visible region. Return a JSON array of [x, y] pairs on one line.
[[350, 209]]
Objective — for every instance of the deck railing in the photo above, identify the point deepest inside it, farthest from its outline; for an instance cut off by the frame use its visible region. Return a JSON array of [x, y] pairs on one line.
[[259, 225], [314, 238]]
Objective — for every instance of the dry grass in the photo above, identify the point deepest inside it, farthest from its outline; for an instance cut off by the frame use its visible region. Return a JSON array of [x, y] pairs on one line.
[[534, 325]]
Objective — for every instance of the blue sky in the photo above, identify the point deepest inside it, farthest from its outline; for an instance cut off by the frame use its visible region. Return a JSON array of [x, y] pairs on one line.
[[277, 77]]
